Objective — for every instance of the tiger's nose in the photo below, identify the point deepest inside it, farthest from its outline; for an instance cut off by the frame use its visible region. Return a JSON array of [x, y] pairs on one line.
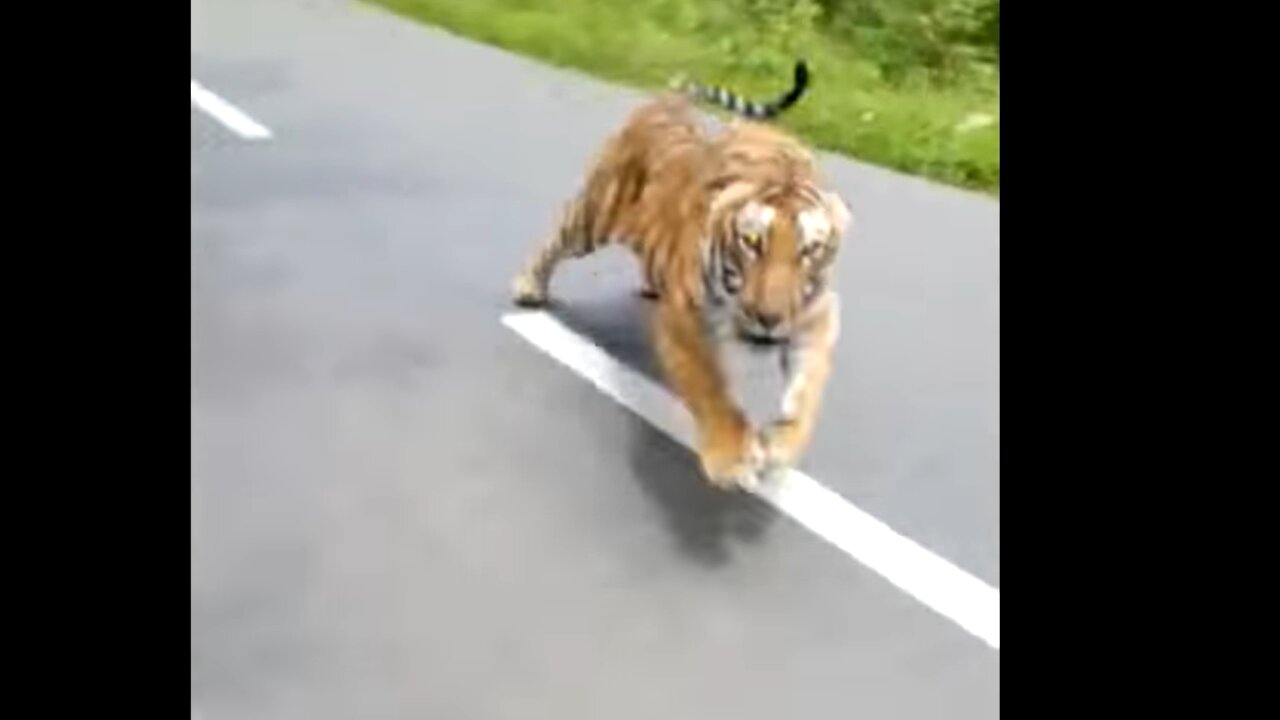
[[768, 320]]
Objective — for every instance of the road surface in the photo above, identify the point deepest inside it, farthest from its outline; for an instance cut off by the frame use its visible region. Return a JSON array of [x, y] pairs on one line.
[[403, 509]]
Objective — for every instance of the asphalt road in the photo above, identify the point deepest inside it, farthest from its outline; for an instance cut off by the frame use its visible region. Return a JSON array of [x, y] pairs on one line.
[[400, 509]]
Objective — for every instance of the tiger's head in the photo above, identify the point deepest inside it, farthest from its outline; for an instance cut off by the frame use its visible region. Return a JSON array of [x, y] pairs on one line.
[[770, 252]]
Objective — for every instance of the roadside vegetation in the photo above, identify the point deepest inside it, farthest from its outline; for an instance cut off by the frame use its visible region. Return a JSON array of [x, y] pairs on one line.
[[908, 84]]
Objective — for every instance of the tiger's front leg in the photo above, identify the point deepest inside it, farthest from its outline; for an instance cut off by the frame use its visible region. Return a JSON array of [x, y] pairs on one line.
[[809, 367], [729, 451]]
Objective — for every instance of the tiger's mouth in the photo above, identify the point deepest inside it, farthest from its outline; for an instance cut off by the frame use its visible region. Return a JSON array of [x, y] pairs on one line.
[[760, 338], [762, 341]]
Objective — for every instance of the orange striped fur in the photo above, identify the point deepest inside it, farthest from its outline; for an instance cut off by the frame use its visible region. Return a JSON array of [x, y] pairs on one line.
[[736, 237]]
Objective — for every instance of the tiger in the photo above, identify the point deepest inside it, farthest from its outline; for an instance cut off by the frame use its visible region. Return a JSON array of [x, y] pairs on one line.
[[736, 236]]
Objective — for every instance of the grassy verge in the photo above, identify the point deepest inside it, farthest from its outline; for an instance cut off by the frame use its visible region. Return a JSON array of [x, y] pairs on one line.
[[908, 120]]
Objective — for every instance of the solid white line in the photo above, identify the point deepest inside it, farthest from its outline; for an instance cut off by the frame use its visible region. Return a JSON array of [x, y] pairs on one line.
[[227, 114], [940, 585]]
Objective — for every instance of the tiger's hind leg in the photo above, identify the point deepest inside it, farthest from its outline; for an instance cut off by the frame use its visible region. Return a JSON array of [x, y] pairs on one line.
[[567, 241]]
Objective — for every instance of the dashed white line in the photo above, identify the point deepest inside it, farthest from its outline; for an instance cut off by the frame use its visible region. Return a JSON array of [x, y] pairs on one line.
[[948, 590], [224, 112]]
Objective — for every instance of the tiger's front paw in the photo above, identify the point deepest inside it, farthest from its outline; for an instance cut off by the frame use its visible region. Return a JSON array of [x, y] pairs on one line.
[[732, 457], [783, 442]]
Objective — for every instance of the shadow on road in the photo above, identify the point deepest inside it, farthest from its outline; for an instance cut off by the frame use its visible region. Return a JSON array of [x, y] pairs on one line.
[[705, 521]]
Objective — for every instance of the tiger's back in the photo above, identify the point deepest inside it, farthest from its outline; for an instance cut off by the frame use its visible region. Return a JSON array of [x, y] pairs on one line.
[[648, 188]]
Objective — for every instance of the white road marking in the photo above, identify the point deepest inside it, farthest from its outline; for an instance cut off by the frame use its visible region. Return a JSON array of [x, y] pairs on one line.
[[940, 585], [227, 114]]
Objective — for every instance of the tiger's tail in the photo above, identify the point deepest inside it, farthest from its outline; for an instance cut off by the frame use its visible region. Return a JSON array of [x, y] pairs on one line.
[[735, 103]]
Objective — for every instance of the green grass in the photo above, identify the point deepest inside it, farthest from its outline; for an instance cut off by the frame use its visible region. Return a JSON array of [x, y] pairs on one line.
[[909, 123]]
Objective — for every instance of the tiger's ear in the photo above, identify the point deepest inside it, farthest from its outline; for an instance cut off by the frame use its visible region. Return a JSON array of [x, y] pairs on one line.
[[841, 214]]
